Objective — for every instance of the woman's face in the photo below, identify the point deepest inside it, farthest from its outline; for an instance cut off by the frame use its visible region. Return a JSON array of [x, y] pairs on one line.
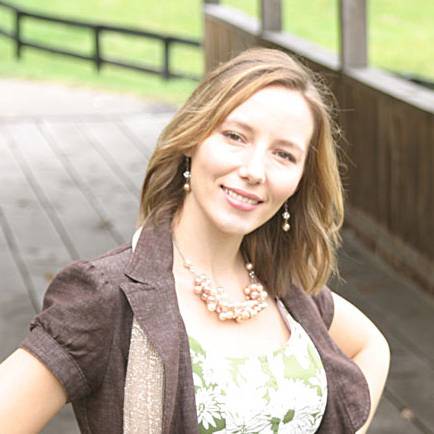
[[242, 174]]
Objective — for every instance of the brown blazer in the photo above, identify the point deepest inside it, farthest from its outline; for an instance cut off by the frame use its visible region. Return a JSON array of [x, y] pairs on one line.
[[83, 334]]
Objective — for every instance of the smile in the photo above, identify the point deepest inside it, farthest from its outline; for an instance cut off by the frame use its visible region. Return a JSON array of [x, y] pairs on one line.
[[240, 198]]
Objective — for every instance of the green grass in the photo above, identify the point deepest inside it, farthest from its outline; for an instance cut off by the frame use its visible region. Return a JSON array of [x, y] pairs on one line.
[[169, 16], [400, 38], [401, 32]]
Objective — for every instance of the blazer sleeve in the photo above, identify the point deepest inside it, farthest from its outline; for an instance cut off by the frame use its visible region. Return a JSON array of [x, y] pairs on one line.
[[72, 334], [325, 304]]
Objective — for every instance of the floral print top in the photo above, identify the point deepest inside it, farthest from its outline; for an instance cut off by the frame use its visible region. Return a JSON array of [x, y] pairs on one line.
[[283, 391]]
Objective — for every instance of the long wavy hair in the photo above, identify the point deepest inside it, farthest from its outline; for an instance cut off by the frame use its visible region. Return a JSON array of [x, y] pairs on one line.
[[305, 255]]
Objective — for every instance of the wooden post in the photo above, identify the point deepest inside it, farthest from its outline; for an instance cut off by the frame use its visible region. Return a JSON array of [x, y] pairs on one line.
[[18, 43], [97, 47], [271, 15], [353, 34], [166, 60]]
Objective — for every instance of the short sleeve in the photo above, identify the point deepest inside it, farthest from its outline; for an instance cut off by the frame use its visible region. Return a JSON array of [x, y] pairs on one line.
[[324, 302], [72, 334]]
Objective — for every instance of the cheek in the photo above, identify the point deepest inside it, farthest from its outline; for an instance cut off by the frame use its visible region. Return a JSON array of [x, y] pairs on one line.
[[285, 184], [214, 158]]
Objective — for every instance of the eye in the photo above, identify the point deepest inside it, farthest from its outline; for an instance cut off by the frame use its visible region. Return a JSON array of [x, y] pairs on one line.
[[233, 136], [284, 155]]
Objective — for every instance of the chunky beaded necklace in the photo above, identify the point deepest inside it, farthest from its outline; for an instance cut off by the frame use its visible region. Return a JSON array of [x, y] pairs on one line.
[[217, 300]]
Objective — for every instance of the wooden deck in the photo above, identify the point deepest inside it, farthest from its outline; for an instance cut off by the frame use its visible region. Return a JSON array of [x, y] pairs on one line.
[[70, 182]]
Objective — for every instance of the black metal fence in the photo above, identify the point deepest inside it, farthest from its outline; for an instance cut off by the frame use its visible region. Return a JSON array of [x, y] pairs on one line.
[[98, 58]]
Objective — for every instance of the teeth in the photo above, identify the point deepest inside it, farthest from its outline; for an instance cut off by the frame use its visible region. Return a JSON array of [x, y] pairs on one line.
[[239, 197]]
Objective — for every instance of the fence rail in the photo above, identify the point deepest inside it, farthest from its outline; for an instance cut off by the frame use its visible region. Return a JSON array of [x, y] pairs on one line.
[[98, 30]]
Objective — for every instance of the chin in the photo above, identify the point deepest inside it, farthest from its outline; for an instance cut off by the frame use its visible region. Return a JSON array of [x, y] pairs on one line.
[[232, 226]]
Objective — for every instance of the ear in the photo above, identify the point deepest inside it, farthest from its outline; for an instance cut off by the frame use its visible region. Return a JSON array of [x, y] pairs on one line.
[[189, 152]]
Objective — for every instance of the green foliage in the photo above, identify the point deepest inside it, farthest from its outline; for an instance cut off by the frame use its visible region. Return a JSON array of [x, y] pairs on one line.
[[401, 33], [400, 38], [275, 422], [289, 416]]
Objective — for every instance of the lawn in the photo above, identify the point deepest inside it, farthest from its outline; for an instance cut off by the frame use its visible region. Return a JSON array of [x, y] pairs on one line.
[[400, 38]]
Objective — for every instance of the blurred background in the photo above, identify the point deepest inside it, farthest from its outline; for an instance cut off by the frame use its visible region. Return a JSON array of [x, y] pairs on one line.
[[400, 38], [86, 87]]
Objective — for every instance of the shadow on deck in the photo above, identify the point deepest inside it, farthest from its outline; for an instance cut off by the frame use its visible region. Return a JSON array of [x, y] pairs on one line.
[[72, 163]]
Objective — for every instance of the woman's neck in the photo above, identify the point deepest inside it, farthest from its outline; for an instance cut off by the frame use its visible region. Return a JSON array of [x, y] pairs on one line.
[[211, 251]]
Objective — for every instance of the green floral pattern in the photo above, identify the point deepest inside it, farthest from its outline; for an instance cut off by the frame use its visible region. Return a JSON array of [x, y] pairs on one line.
[[284, 391]]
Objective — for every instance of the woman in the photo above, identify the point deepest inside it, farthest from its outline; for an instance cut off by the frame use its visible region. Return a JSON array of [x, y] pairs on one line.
[[216, 318]]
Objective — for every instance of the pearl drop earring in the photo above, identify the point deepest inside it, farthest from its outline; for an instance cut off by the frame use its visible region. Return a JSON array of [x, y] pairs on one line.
[[286, 216], [187, 175]]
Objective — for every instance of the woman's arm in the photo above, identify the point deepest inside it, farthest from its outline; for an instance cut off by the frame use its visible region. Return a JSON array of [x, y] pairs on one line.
[[30, 395], [358, 337]]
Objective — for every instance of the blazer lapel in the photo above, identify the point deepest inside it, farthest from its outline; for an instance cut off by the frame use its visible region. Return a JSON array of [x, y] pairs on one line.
[[151, 294]]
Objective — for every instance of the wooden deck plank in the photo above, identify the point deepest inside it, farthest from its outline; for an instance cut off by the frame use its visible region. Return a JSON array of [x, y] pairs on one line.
[[16, 308], [388, 420], [39, 244], [391, 298], [79, 220], [120, 154], [115, 201], [143, 131], [63, 423], [411, 377]]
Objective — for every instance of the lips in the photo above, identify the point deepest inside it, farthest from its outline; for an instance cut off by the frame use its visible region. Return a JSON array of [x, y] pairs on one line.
[[242, 196]]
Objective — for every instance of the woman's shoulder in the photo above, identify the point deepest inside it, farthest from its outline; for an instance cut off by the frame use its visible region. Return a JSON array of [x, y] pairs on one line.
[[113, 262], [73, 333], [89, 280]]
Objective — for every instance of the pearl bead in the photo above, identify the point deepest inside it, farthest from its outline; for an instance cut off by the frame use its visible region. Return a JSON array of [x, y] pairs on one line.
[[216, 298], [286, 227]]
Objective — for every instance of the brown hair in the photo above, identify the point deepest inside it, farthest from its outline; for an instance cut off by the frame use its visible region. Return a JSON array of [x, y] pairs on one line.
[[306, 255]]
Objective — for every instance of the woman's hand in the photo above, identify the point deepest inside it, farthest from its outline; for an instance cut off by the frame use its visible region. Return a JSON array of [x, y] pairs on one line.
[[30, 395], [358, 337]]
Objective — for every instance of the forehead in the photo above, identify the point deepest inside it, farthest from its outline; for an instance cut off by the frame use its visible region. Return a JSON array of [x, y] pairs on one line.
[[275, 100], [277, 111]]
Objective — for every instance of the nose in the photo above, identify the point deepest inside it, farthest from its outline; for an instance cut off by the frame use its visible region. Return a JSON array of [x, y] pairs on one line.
[[253, 168]]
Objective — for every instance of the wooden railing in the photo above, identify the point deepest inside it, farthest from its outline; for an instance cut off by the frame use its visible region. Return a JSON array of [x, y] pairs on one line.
[[98, 29], [388, 123]]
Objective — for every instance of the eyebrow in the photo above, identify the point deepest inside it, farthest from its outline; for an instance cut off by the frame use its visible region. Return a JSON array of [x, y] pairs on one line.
[[251, 130]]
